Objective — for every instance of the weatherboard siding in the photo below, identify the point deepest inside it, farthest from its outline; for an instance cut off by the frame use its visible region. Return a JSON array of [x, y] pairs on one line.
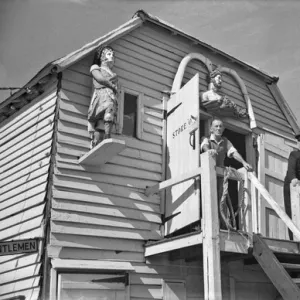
[[25, 147], [168, 50]]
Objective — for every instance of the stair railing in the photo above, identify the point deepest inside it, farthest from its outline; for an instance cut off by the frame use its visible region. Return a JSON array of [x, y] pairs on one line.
[[253, 184]]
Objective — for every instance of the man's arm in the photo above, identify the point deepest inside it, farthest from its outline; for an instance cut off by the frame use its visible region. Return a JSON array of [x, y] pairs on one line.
[[240, 159], [205, 147]]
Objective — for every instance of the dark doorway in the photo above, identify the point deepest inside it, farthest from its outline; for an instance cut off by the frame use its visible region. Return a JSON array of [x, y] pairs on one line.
[[239, 142]]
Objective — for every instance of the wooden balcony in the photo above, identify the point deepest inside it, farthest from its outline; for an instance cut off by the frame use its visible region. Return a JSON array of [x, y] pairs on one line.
[[240, 241]]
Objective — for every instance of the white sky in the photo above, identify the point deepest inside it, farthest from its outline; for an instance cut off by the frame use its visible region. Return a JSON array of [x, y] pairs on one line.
[[263, 33]]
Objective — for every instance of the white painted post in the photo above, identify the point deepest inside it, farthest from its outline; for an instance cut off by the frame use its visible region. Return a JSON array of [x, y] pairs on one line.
[[211, 231], [295, 204]]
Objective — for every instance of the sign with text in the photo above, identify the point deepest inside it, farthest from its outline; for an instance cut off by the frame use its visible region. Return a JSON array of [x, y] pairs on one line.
[[183, 200], [16, 247]]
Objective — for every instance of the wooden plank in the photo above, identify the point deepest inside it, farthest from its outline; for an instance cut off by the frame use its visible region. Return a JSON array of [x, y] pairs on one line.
[[21, 285], [146, 204], [29, 122], [275, 206], [32, 149], [33, 196], [295, 205], [113, 211], [275, 271], [168, 245], [22, 216], [104, 231], [211, 244], [20, 262], [105, 188], [32, 109], [17, 230], [23, 188], [31, 135], [96, 243], [20, 273], [90, 265], [94, 254], [103, 152], [94, 219], [173, 181], [17, 184]]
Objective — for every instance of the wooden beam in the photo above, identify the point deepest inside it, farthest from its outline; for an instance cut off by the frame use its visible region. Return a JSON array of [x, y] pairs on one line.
[[295, 204], [173, 181], [173, 244], [282, 215], [211, 239], [274, 270]]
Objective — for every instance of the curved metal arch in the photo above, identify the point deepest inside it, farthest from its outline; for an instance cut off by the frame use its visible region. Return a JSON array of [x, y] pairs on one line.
[[243, 88], [182, 66]]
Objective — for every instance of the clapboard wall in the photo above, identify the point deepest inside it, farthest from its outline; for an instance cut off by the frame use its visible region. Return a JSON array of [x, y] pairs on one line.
[[25, 147]]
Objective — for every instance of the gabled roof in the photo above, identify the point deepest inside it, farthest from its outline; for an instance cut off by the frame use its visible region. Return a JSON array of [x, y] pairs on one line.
[[35, 85]]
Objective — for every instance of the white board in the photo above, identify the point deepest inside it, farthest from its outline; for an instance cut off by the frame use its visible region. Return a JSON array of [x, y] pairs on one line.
[[182, 200]]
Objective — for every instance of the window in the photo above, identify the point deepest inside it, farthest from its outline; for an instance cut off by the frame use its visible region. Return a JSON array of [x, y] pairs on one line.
[[130, 113]]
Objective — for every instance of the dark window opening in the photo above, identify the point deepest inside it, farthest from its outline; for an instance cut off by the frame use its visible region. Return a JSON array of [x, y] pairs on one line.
[[130, 115]]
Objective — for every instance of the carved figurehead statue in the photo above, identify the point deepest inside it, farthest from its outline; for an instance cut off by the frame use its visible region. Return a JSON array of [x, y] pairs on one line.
[[215, 102], [103, 107]]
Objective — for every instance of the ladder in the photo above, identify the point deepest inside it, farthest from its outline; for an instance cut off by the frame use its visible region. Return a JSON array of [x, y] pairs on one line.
[[277, 271]]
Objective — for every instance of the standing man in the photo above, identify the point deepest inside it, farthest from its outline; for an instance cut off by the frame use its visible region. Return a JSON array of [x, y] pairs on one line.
[[292, 176], [220, 147]]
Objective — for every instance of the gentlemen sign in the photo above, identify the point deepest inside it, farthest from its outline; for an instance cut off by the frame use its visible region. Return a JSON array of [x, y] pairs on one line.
[[21, 246]]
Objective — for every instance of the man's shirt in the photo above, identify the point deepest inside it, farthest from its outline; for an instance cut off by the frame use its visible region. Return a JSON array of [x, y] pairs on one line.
[[224, 147]]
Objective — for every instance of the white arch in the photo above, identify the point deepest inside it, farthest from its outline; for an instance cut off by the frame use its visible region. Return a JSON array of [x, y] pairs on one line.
[[182, 66], [243, 88]]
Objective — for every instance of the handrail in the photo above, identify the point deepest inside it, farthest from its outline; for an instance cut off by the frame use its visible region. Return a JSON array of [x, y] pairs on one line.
[[295, 205], [275, 206]]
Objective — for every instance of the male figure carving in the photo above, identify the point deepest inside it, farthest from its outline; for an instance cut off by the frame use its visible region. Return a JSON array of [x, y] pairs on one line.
[[215, 102], [104, 105]]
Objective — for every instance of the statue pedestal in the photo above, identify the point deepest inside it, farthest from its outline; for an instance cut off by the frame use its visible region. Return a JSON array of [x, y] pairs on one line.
[[103, 152]]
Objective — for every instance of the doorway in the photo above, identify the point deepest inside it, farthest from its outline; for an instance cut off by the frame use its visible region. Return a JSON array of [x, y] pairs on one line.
[[239, 142]]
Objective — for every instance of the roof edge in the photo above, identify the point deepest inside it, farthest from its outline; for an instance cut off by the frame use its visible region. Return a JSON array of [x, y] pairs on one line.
[[148, 17]]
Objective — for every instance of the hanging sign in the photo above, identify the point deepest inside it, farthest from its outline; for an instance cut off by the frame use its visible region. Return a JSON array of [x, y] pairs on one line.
[[20, 246]]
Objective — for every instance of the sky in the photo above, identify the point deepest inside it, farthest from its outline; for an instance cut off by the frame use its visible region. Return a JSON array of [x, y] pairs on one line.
[[263, 33]]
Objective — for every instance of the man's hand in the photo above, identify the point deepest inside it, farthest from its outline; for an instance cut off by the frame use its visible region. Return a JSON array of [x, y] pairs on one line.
[[295, 181], [247, 166], [213, 152]]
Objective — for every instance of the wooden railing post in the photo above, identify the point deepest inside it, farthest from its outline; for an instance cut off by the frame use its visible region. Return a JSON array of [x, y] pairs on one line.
[[254, 208], [211, 231], [295, 205]]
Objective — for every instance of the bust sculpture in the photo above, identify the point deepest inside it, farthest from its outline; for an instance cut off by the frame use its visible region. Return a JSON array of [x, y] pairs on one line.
[[214, 102], [103, 106]]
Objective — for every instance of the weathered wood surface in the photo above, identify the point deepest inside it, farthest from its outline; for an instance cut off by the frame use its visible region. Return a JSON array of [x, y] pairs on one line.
[[210, 216], [275, 271], [295, 204], [25, 143]]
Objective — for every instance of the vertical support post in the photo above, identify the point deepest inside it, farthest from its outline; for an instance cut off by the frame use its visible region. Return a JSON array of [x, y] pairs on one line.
[[254, 208], [295, 204], [211, 231], [245, 214], [261, 208], [53, 284]]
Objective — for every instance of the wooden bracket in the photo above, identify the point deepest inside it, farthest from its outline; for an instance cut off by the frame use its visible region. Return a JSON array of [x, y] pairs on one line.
[[103, 152], [173, 181]]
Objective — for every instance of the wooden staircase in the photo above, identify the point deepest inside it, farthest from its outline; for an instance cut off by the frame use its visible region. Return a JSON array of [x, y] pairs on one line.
[[277, 271]]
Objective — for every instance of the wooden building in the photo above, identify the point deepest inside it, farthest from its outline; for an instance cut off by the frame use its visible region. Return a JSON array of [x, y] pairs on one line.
[[109, 229]]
